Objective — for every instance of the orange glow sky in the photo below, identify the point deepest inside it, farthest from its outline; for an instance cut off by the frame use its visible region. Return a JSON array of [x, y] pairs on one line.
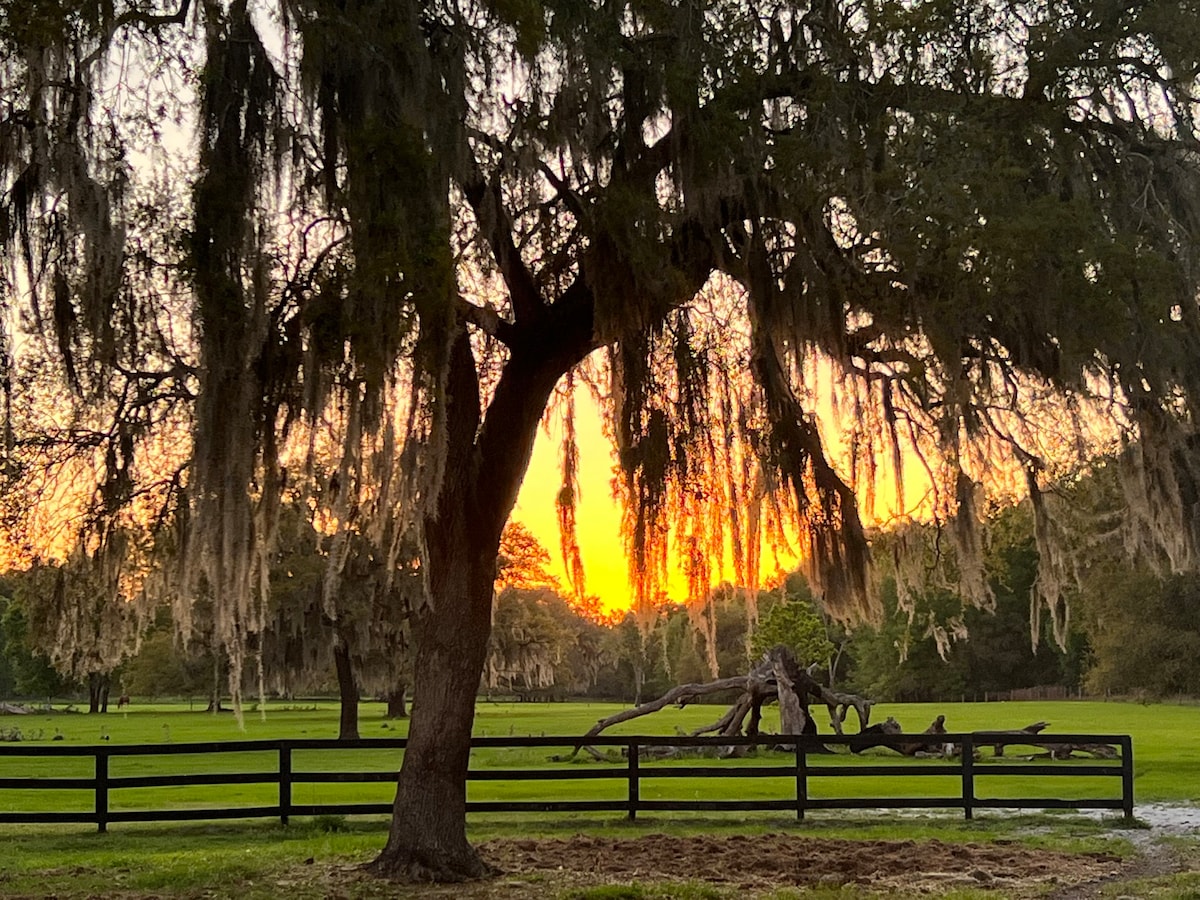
[[598, 513]]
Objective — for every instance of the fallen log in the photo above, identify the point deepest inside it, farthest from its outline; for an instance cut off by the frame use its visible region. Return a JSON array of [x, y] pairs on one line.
[[1065, 751], [792, 690], [759, 689], [680, 696], [778, 677], [937, 726], [839, 704], [1054, 749], [1034, 729], [869, 737]]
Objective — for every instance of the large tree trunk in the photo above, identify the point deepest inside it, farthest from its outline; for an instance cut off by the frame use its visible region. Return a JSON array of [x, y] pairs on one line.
[[484, 463], [428, 839], [347, 690], [484, 469]]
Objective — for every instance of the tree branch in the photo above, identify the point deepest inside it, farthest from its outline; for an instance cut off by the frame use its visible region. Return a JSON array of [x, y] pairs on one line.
[[497, 227], [541, 354], [139, 17], [677, 696], [486, 320]]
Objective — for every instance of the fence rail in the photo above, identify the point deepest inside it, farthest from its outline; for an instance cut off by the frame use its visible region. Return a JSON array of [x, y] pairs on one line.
[[636, 767]]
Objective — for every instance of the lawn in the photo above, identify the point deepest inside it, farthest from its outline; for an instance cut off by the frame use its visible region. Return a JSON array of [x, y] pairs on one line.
[[1167, 760], [143, 860]]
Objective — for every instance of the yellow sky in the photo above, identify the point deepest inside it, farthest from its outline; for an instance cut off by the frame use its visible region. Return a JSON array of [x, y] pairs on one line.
[[598, 513]]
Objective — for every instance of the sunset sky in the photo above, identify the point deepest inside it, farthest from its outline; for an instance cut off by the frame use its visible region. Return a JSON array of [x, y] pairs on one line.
[[598, 513]]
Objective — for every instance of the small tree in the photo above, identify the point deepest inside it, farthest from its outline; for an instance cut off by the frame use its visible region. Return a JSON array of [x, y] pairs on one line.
[[162, 668], [795, 624], [31, 672]]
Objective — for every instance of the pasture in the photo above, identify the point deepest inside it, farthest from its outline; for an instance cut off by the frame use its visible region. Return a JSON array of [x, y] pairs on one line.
[[1166, 754], [156, 859]]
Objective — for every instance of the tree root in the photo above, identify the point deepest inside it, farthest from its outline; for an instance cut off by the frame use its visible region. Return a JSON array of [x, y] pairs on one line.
[[417, 867]]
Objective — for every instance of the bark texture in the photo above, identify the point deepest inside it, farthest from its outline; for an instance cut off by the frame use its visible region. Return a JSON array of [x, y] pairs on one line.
[[427, 840]]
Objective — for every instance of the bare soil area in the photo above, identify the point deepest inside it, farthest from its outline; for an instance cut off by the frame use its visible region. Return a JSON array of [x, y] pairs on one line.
[[752, 865]]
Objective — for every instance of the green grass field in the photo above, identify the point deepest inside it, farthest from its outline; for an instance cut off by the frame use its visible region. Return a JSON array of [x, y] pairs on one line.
[[188, 860], [1167, 759]]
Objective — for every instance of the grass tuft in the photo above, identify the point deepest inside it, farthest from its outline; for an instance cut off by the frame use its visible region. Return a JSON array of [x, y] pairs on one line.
[[330, 824]]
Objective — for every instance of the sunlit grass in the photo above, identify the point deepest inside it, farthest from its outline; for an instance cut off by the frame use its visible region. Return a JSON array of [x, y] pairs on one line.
[[1167, 759], [262, 858]]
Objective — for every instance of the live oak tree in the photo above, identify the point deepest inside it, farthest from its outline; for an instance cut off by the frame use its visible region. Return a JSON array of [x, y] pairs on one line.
[[421, 219], [355, 633], [71, 617], [1141, 624], [541, 646]]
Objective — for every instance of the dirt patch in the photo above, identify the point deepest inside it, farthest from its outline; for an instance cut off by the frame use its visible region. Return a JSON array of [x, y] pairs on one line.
[[769, 861], [752, 865]]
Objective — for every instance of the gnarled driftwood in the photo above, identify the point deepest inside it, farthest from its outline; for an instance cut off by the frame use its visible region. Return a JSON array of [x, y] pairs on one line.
[[777, 677]]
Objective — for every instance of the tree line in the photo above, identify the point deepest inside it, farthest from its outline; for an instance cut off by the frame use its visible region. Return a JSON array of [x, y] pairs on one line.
[[1135, 632]]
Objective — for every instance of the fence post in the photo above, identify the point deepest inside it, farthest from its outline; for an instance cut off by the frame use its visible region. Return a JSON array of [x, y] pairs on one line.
[[285, 783], [1127, 775], [968, 777], [801, 780], [634, 787], [102, 789]]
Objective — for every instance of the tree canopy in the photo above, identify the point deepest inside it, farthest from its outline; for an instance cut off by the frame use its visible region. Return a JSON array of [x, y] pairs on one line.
[[394, 231]]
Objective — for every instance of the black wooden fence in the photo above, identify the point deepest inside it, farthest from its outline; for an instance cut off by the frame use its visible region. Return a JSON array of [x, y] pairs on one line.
[[640, 762]]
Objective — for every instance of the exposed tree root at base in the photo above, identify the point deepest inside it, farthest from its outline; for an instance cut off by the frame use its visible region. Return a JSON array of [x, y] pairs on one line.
[[423, 869]]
